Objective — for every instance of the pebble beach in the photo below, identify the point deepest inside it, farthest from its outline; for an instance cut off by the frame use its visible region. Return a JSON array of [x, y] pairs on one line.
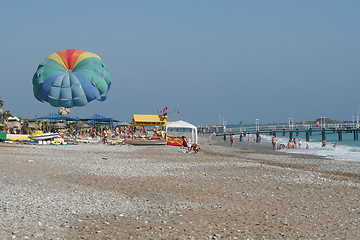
[[97, 191]]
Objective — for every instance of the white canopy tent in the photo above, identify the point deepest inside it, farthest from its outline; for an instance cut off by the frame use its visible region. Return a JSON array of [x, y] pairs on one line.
[[183, 124]]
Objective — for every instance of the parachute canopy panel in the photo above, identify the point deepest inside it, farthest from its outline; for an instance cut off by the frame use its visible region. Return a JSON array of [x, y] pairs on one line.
[[148, 120]]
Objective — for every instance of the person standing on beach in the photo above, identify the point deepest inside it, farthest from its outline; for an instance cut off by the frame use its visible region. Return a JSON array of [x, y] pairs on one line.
[[249, 138], [232, 140], [105, 137], [274, 144]]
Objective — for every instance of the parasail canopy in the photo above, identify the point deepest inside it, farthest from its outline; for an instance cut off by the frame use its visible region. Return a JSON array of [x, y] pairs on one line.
[[70, 78]]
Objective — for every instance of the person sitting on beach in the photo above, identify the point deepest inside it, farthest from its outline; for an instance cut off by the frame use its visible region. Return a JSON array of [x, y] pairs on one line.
[[189, 144], [185, 145], [195, 147], [323, 143]]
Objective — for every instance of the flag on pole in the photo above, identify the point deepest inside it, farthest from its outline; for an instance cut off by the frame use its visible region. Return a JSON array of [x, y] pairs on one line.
[[165, 112]]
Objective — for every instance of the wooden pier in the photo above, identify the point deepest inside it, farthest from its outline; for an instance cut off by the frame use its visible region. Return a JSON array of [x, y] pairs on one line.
[[308, 133], [292, 130]]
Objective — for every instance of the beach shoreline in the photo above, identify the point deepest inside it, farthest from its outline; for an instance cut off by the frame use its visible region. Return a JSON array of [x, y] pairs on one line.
[[96, 191]]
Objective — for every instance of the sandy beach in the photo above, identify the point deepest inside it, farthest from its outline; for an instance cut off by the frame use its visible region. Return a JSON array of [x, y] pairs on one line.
[[95, 191]]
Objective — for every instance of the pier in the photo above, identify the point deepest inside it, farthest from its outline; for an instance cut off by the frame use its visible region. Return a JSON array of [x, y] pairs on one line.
[[291, 130]]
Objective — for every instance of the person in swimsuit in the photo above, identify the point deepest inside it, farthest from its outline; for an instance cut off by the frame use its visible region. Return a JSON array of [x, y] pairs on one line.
[[232, 140], [273, 141]]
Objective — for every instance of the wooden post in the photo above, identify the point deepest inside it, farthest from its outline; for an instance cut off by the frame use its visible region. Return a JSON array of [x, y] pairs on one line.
[[307, 136], [310, 131], [291, 136], [356, 135], [297, 132], [323, 135], [274, 134], [224, 137], [340, 135], [283, 132]]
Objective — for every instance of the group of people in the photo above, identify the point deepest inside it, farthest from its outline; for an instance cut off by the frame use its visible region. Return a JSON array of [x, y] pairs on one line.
[[190, 146], [257, 139]]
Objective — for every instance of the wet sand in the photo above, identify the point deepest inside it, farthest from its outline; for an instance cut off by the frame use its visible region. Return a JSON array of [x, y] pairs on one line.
[[129, 192]]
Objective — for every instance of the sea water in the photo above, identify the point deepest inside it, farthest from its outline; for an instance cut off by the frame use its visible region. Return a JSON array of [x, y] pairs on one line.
[[347, 150]]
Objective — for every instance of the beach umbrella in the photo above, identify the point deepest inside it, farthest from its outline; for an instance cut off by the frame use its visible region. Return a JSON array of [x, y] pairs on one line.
[[33, 125], [81, 125], [58, 125], [70, 78]]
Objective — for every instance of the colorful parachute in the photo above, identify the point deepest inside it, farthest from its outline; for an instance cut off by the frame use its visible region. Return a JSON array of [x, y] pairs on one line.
[[70, 78]]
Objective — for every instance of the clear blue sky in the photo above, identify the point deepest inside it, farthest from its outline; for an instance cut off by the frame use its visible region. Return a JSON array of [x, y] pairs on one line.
[[243, 59]]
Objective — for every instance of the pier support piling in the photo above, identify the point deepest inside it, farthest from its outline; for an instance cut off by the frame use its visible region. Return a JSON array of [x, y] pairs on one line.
[[323, 135], [297, 132], [307, 136], [340, 135], [356, 135], [283, 132], [291, 136]]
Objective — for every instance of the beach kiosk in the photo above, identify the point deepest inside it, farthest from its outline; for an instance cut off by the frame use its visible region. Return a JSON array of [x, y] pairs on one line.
[[148, 120], [144, 121]]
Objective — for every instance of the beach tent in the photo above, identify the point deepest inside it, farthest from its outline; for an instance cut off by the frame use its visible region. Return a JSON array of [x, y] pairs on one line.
[[148, 120], [14, 122], [182, 124], [13, 119]]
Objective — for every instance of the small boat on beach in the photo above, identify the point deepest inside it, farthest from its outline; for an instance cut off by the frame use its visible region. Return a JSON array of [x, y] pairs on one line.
[[147, 141], [40, 136]]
